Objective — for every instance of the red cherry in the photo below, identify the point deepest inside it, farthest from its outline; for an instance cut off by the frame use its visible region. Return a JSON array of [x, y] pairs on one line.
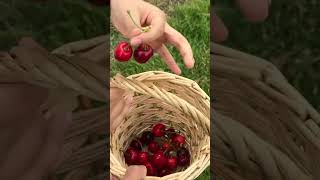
[[159, 160], [164, 172], [165, 146], [131, 156], [172, 163], [178, 140], [123, 52], [146, 137], [183, 152], [143, 157], [183, 156], [143, 53], [151, 171], [158, 130], [153, 146], [183, 160], [136, 144]]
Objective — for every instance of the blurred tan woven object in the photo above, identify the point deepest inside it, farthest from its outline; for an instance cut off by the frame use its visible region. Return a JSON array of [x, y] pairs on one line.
[[263, 128], [172, 100], [76, 79]]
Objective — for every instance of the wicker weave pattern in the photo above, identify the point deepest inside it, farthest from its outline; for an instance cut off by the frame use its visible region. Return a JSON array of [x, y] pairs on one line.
[[170, 99], [264, 128]]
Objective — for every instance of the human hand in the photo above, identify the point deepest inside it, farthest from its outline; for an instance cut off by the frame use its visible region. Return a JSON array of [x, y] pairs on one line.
[[253, 10], [133, 173], [161, 33], [120, 104], [31, 133]]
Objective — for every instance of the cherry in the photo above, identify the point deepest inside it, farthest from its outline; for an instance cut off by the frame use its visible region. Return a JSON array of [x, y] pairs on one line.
[[151, 170], [172, 163], [131, 156], [143, 157], [143, 53], [165, 146], [146, 137], [183, 156], [158, 130], [135, 144], [153, 146], [163, 172], [183, 160], [178, 140], [123, 52], [183, 152], [159, 160]]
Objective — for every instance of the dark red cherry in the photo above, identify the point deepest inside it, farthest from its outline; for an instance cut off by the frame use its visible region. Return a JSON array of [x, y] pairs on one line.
[[143, 53], [178, 140], [143, 157], [158, 130], [153, 147], [159, 160], [131, 156]]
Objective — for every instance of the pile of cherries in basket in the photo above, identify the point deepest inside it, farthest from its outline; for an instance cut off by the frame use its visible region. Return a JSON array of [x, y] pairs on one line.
[[161, 150]]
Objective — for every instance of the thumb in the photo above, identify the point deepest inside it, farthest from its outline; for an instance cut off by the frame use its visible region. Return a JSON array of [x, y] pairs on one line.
[[157, 21], [135, 173]]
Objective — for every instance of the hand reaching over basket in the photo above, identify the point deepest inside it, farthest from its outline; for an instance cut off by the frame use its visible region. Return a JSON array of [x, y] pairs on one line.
[[143, 14], [31, 133], [253, 10], [120, 104]]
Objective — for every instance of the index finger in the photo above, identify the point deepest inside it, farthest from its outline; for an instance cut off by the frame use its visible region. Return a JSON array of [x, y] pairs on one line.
[[157, 20], [182, 44]]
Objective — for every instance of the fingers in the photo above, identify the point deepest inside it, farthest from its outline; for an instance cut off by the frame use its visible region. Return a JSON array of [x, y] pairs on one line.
[[182, 44], [254, 10], [118, 113], [157, 20], [167, 57], [57, 125], [219, 31], [135, 173]]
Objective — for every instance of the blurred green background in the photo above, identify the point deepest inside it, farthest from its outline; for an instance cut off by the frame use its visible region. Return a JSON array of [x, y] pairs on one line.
[[289, 38]]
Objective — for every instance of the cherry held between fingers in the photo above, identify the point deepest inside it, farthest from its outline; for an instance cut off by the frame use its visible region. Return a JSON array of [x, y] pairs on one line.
[[143, 53], [123, 52]]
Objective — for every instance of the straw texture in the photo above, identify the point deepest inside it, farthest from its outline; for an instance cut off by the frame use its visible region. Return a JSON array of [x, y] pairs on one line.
[[172, 100], [263, 128]]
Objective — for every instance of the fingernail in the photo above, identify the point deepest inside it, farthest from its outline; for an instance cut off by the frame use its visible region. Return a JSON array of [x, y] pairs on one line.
[[136, 41]]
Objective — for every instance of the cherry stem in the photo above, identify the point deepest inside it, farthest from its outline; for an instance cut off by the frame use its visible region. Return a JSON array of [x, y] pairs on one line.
[[129, 13]]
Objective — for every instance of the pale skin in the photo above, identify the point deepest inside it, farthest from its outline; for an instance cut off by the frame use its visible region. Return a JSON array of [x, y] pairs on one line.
[[31, 139]]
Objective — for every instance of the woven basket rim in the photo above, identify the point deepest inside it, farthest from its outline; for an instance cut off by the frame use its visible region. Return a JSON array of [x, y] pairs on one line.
[[135, 83]]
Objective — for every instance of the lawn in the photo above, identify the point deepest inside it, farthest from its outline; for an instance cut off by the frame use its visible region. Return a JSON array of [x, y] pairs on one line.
[[289, 38], [191, 18]]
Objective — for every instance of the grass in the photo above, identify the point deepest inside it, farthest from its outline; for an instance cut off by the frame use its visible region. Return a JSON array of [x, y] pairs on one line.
[[289, 38], [191, 18]]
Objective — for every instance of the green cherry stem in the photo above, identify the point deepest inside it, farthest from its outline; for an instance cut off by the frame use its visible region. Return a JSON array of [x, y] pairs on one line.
[[143, 29], [129, 13]]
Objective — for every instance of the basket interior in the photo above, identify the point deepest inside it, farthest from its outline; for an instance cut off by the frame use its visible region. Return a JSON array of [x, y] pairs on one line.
[[146, 112]]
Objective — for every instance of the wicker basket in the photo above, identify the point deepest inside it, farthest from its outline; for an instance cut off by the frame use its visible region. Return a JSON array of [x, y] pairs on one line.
[[263, 128], [172, 100]]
